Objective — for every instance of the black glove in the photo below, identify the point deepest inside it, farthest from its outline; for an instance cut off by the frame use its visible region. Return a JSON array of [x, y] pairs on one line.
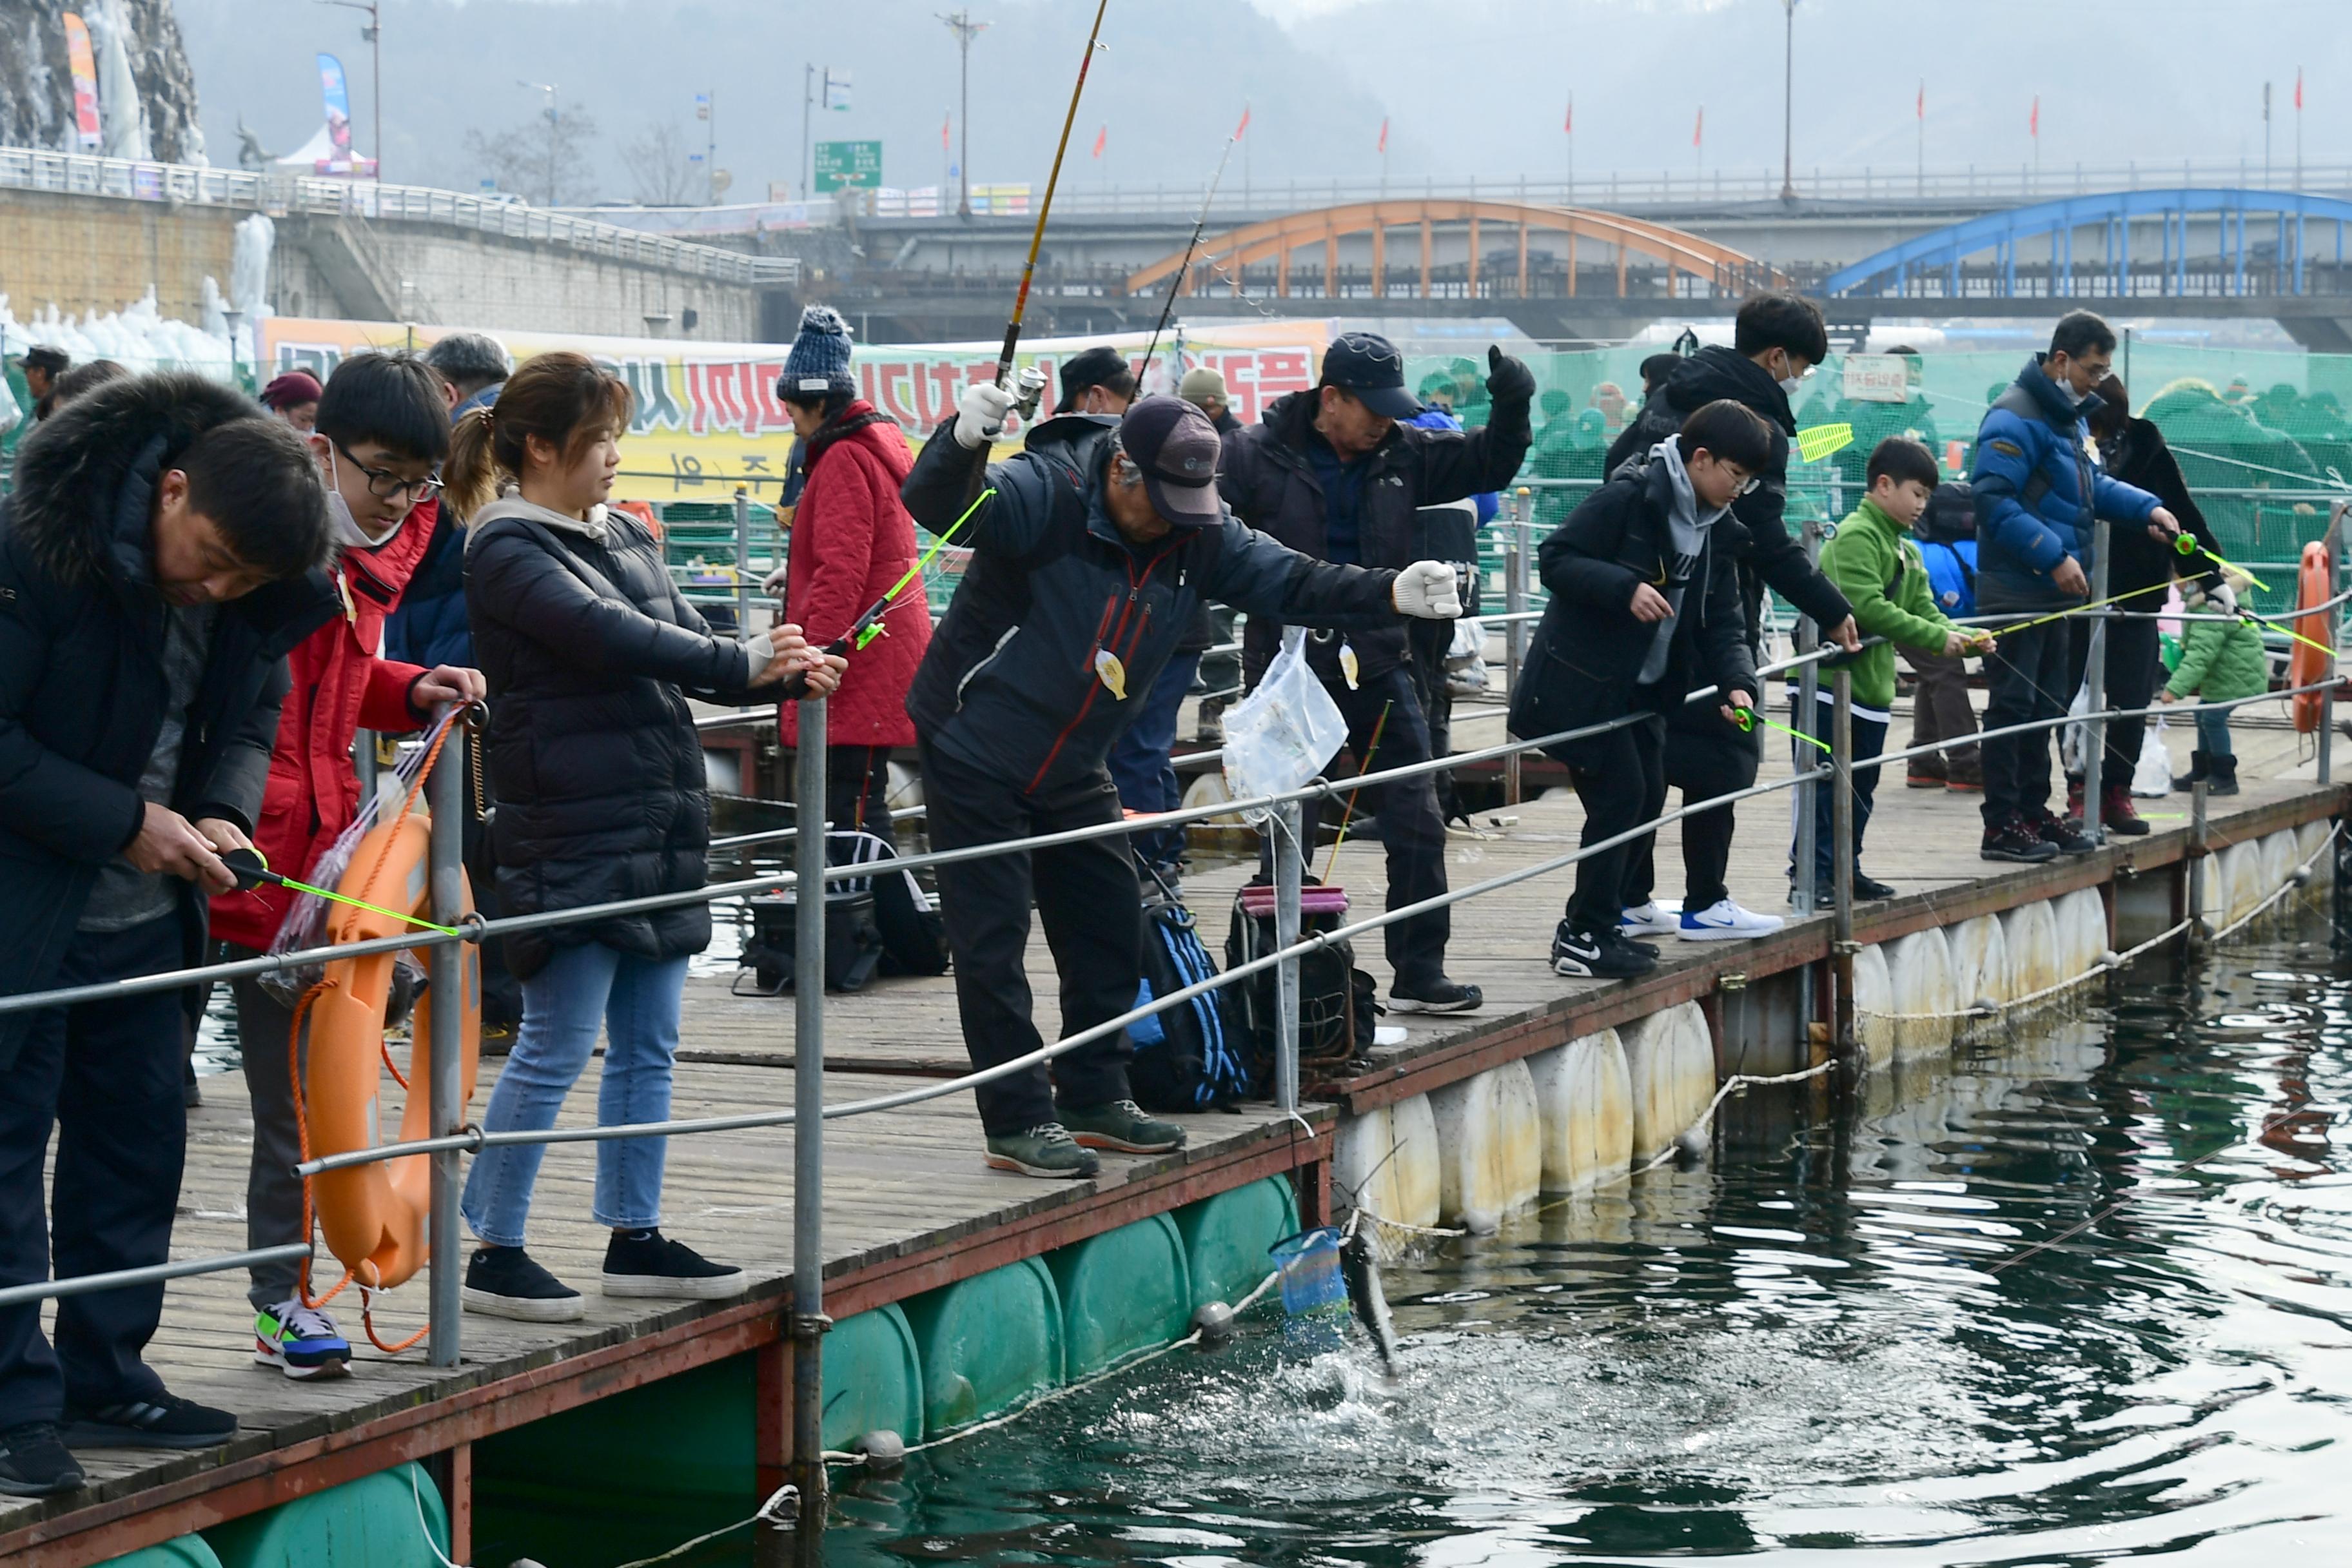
[[1508, 379]]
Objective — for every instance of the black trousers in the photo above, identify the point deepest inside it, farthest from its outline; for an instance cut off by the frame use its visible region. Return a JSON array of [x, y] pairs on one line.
[[2025, 679], [1086, 894], [858, 790], [1411, 829], [1621, 778], [105, 1074], [2132, 663], [1706, 758]]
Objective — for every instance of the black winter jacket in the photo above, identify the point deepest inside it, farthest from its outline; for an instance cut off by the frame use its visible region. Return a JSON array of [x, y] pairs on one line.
[[1010, 685], [1588, 649], [589, 649], [1272, 486], [82, 693], [1768, 554], [2138, 457]]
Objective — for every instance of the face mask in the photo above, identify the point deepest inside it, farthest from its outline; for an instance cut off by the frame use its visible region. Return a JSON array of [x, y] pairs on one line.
[[347, 531], [1792, 384]]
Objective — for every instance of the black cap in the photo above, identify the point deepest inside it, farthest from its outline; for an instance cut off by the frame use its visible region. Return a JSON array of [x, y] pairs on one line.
[[1177, 447], [1368, 365], [1101, 366]]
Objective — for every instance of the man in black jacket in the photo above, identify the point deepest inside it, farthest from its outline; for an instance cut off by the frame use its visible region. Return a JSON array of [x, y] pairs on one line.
[[1777, 339], [157, 560], [1082, 581], [1334, 473]]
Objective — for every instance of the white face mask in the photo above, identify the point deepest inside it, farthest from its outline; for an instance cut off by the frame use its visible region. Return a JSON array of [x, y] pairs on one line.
[[347, 531]]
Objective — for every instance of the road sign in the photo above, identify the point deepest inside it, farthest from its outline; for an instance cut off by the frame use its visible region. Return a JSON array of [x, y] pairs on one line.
[[848, 166]]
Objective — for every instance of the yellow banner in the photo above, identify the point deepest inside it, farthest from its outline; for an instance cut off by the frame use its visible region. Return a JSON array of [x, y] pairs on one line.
[[707, 416]]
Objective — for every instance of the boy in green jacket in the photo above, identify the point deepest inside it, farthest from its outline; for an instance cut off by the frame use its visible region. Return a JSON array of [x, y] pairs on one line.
[[2219, 661], [1875, 565]]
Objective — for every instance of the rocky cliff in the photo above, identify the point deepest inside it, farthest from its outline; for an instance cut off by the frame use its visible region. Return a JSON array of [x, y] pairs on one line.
[[36, 87]]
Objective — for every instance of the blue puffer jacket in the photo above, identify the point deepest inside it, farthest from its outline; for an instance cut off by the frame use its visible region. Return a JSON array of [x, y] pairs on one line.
[[2033, 467], [1951, 575]]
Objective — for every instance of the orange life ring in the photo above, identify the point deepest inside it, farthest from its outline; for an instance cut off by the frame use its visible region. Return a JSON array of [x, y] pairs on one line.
[[2307, 665], [374, 1217]]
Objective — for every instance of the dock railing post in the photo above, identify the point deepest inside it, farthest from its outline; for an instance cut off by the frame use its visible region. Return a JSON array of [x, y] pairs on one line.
[[809, 1322], [2198, 869], [445, 968], [742, 562], [1809, 685], [1841, 946], [1285, 823], [2095, 677], [1514, 630]]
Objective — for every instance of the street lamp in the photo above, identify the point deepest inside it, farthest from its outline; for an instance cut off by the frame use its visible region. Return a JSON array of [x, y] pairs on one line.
[[550, 111], [1789, 108], [966, 30], [372, 35]]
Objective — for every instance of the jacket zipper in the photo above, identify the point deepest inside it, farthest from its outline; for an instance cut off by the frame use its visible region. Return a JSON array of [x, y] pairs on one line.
[[1135, 586]]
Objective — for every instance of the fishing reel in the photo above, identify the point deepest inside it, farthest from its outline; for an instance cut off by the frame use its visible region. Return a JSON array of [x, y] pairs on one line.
[[1032, 384]]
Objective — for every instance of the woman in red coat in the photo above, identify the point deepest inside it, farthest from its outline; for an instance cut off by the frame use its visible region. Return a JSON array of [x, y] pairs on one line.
[[851, 541]]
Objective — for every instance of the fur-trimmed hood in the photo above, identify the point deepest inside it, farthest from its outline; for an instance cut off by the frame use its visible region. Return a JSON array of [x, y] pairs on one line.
[[86, 477]]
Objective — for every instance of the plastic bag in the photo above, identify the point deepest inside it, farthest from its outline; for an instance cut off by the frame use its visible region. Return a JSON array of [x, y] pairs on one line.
[[1466, 658], [2073, 744], [1283, 733], [2153, 777]]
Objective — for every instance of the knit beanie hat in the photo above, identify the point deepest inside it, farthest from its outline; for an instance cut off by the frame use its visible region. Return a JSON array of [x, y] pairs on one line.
[[819, 362]]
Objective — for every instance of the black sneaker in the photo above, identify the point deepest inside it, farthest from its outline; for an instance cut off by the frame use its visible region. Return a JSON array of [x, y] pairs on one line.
[[1438, 996], [503, 1282], [2063, 833], [166, 1421], [1597, 955], [1871, 888], [647, 1263], [2012, 839], [34, 1461]]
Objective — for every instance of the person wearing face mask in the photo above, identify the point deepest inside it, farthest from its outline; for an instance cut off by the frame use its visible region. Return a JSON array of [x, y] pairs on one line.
[[1777, 340], [380, 434]]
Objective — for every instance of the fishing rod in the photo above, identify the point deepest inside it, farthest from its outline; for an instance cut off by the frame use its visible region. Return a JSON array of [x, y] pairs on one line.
[[1037, 239], [1184, 269], [251, 870], [2188, 545], [2078, 609], [1747, 719], [1370, 751], [868, 626]]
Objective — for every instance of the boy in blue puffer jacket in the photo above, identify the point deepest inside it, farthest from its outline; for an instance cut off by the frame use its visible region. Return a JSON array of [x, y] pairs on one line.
[[1947, 537], [2038, 491]]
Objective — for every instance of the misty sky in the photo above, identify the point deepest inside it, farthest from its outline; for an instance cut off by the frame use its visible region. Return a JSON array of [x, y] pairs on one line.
[[1468, 86]]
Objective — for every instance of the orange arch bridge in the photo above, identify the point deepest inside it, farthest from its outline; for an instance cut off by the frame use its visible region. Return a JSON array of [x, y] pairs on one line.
[[1464, 230]]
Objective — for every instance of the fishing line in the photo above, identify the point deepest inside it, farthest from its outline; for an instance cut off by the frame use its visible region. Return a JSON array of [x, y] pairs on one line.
[[1038, 238], [1183, 269], [868, 626], [251, 870], [1747, 719], [2187, 545]]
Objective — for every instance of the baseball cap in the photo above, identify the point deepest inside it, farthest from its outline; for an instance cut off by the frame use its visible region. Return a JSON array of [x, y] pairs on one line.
[[1368, 365], [1101, 366], [1176, 448]]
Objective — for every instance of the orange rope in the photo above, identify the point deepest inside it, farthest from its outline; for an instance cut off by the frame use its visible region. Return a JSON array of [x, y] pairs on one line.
[[367, 1321], [367, 889]]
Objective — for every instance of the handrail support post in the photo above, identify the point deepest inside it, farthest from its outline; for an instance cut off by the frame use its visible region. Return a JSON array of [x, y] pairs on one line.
[[445, 968], [1842, 804], [2094, 679], [808, 1319]]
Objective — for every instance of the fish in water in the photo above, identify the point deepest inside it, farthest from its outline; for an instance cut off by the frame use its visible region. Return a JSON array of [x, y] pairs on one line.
[[1365, 1295]]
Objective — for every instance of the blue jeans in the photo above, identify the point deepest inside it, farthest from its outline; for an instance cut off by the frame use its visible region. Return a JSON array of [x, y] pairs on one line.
[[1139, 764], [636, 1001], [2213, 731]]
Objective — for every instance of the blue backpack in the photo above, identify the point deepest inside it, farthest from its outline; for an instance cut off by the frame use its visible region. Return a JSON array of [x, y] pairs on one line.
[[1187, 1057]]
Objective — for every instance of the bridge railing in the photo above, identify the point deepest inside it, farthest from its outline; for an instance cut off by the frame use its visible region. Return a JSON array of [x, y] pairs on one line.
[[73, 174]]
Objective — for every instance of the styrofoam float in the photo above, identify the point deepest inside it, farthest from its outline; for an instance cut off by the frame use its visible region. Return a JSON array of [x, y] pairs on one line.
[[1670, 1064], [1926, 998], [1584, 1095], [2030, 933], [1489, 1147]]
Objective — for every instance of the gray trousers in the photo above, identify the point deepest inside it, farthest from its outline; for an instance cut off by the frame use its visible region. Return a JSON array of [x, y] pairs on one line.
[[273, 1193]]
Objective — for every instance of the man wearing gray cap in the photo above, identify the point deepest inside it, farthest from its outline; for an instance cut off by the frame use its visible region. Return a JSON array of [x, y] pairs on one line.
[[1335, 473], [1082, 580]]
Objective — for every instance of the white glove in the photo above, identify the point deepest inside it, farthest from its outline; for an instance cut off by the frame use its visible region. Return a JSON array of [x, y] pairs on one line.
[[1427, 589], [2222, 598], [980, 413], [773, 584]]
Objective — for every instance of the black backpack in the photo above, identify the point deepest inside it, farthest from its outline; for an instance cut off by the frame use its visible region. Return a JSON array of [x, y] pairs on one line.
[[1187, 1057], [1337, 1001]]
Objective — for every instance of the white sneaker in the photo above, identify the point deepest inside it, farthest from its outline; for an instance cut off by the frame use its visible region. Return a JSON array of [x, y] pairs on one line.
[[1726, 922], [1659, 917]]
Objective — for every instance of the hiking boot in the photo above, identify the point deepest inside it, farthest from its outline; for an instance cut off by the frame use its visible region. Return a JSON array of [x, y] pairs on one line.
[[1438, 996], [647, 1263], [301, 1341], [2064, 832], [2118, 813], [2014, 840], [1652, 919], [166, 1421], [1597, 955], [1724, 921], [2075, 796], [34, 1462], [1964, 778], [1870, 888], [1046, 1150], [504, 1282], [1121, 1127], [1924, 772]]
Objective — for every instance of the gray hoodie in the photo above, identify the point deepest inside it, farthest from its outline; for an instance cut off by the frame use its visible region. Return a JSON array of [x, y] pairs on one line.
[[1689, 530]]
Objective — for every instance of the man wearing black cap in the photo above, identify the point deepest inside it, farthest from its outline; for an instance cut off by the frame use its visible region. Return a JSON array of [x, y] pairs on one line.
[[1097, 381], [1334, 474], [1082, 581]]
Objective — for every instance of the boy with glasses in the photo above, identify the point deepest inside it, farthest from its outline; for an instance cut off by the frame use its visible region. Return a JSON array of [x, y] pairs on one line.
[[382, 430]]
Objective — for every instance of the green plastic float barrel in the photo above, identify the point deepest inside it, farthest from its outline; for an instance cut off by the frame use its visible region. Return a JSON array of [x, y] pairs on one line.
[[187, 1552], [872, 1381], [1123, 1292], [1225, 1238], [987, 1344], [392, 1519]]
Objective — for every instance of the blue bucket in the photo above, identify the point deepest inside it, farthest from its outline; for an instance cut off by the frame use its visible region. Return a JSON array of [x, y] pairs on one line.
[[1308, 1264]]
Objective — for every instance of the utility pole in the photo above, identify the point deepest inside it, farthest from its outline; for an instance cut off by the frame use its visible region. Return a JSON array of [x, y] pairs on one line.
[[1789, 106], [706, 109], [965, 29], [2266, 136], [808, 155], [372, 36]]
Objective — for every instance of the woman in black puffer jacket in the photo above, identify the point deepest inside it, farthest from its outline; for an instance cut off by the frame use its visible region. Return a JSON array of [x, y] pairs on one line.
[[590, 651]]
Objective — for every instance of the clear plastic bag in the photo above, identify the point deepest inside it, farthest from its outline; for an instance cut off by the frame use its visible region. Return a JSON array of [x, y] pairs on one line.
[[2152, 779], [1284, 732]]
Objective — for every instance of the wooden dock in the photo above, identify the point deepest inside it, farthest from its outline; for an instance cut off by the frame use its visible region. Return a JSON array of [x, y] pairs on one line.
[[908, 1204]]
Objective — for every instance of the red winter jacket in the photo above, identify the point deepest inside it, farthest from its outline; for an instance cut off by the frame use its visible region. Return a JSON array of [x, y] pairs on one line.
[[850, 540], [340, 687]]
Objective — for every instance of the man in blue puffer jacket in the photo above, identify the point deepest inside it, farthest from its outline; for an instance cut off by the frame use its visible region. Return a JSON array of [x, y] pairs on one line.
[[2035, 467]]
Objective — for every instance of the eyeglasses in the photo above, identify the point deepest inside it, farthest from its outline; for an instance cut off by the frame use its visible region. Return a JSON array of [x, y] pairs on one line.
[[384, 484]]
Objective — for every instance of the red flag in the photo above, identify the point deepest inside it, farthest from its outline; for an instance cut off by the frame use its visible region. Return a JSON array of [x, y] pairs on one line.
[[2033, 122], [946, 120], [1384, 134], [2298, 89], [1240, 130], [1102, 138], [1568, 126], [1923, 99], [1698, 127]]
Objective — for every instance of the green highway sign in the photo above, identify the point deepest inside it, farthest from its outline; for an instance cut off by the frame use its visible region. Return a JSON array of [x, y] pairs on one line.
[[848, 166]]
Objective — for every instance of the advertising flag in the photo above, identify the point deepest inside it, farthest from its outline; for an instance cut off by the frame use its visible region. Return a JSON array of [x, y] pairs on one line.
[[1384, 135], [1568, 126], [83, 61], [2034, 120], [1922, 111], [1243, 129], [1102, 139], [1698, 127], [339, 103]]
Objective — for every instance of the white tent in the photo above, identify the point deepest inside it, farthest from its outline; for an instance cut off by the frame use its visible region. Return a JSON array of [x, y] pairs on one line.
[[320, 155]]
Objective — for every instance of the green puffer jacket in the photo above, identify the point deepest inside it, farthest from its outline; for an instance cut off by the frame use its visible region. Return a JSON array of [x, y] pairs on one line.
[[1875, 565], [2221, 661]]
